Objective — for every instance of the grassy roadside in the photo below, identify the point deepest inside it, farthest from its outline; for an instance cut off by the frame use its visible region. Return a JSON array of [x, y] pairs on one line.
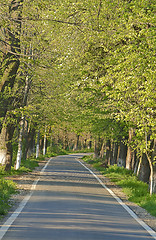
[[136, 190]]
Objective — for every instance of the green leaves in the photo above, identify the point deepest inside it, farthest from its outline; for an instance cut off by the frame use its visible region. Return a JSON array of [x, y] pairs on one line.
[[93, 64]]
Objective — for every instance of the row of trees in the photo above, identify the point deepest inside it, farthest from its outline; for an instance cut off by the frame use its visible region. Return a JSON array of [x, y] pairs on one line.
[[79, 70]]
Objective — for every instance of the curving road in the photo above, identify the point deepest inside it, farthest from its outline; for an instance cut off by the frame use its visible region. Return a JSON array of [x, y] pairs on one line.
[[69, 203]]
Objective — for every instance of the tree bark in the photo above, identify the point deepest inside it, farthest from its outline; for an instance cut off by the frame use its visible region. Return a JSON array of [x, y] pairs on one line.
[[77, 144], [44, 142], [96, 150], [154, 166], [97, 147], [9, 67], [19, 152], [122, 155], [102, 151], [38, 144], [130, 159], [11, 49], [115, 152], [151, 161], [144, 169], [30, 142], [6, 144], [108, 151], [24, 103]]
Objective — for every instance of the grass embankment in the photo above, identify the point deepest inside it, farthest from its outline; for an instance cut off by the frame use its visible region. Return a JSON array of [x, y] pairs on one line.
[[137, 191]]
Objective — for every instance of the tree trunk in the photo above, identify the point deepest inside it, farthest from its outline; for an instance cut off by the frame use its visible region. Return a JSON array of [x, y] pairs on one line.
[[9, 65], [154, 166], [115, 153], [38, 144], [89, 145], [151, 161], [112, 160], [102, 151], [10, 61], [6, 144], [11, 50], [85, 143], [19, 152], [130, 159], [25, 141], [24, 103], [65, 144], [97, 147], [96, 150], [44, 142], [144, 169], [108, 150], [30, 142], [77, 144], [122, 155]]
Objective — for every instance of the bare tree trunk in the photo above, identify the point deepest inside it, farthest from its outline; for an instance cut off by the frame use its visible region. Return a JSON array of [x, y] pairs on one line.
[[102, 151], [144, 169], [76, 147], [85, 143], [30, 142], [38, 144], [154, 178], [154, 166], [151, 173], [6, 144], [108, 150], [24, 103], [90, 145], [151, 158], [130, 159], [24, 155], [19, 152], [65, 144], [97, 147], [112, 160], [11, 48], [96, 150], [9, 66], [122, 155], [115, 152], [44, 142]]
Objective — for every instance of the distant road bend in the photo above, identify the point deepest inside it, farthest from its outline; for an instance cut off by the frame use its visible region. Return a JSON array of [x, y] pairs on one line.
[[69, 202]]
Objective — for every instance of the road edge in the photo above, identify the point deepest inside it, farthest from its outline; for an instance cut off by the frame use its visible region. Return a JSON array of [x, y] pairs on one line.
[[128, 209], [7, 224]]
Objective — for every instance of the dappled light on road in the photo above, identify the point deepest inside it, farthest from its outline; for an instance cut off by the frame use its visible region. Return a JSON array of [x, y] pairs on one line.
[[69, 203]]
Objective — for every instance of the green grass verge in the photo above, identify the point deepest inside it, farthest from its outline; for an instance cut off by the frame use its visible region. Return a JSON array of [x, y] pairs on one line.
[[7, 187], [137, 191]]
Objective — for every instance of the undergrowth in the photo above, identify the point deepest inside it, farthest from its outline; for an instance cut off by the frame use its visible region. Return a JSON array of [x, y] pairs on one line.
[[137, 191], [7, 187]]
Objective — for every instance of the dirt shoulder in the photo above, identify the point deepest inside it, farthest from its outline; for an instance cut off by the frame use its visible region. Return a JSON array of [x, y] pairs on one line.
[[25, 181]]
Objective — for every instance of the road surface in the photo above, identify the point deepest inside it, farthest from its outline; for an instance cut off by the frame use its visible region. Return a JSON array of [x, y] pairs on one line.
[[69, 203]]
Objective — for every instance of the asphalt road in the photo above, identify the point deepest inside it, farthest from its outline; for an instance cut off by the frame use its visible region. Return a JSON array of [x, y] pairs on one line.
[[69, 203]]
